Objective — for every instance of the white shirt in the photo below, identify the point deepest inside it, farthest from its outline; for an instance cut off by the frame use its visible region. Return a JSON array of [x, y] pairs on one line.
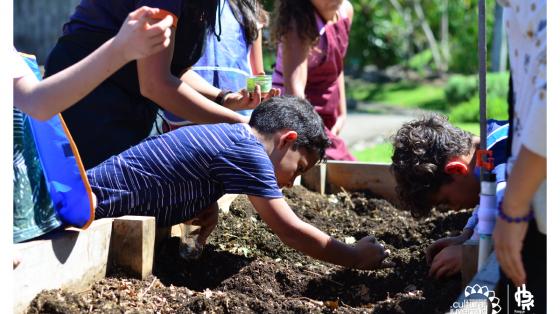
[[525, 22]]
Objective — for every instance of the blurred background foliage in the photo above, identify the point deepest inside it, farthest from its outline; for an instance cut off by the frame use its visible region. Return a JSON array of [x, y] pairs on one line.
[[422, 35]]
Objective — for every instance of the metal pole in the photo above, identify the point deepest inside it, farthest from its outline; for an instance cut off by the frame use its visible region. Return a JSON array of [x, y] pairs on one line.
[[482, 70], [488, 202]]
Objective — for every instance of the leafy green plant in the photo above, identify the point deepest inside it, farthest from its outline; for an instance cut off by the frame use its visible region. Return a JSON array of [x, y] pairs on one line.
[[460, 88], [422, 61]]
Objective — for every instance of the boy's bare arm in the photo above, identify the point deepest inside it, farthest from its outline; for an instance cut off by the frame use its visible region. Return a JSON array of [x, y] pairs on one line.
[[366, 254]]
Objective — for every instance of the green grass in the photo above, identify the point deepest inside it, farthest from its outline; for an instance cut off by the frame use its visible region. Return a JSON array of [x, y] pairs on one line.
[[381, 153], [472, 127], [406, 94]]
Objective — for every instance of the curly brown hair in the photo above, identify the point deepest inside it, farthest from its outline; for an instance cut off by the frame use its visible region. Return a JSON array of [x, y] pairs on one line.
[[291, 15], [421, 148]]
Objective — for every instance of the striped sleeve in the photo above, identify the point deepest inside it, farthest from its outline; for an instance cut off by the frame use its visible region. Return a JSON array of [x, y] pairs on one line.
[[245, 168]]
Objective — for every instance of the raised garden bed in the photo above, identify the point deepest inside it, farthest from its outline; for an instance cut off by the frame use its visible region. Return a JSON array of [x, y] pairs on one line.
[[245, 268]]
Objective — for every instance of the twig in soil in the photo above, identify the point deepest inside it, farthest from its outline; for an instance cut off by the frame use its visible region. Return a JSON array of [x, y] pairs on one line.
[[349, 197], [319, 275], [145, 291], [319, 303]]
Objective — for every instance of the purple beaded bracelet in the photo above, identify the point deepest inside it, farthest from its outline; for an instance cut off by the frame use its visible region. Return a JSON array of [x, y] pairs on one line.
[[516, 220]]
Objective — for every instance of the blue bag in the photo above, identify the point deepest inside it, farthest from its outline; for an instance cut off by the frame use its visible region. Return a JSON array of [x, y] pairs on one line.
[[64, 173]]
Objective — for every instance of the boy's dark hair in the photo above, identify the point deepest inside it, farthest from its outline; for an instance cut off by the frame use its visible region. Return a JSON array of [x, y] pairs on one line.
[[421, 149], [292, 113], [294, 15]]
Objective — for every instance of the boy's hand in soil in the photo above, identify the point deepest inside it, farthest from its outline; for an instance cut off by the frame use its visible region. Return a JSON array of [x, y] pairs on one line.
[[447, 262], [367, 253], [442, 243], [371, 254]]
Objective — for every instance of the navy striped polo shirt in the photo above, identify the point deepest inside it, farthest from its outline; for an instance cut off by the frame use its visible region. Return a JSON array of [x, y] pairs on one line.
[[176, 175]]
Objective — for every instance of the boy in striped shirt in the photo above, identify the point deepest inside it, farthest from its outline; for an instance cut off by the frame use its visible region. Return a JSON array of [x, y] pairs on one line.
[[180, 175]]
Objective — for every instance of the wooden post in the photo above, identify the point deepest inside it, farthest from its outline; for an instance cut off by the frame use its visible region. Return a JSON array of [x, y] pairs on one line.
[[470, 261], [132, 244], [322, 177]]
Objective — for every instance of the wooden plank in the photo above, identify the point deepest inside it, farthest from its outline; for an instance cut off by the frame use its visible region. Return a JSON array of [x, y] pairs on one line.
[[470, 261], [70, 259], [312, 179], [132, 244], [361, 176], [225, 202], [352, 176]]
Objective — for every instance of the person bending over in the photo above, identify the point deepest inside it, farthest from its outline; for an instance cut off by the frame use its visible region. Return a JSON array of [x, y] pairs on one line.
[[434, 164], [180, 175]]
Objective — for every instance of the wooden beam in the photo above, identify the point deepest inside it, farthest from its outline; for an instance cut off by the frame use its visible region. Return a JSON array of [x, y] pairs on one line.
[[68, 259], [312, 179], [132, 244], [352, 176], [225, 202]]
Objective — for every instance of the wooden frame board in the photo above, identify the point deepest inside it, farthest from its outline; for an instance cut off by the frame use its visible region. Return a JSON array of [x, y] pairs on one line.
[[352, 176]]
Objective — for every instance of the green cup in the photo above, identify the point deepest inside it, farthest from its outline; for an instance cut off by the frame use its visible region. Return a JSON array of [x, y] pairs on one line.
[[264, 81]]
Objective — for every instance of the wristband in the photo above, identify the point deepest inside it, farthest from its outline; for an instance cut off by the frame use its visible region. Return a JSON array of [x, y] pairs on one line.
[[516, 220], [222, 96]]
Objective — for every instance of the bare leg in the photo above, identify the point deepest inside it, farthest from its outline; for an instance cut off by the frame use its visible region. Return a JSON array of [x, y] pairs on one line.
[[194, 239]]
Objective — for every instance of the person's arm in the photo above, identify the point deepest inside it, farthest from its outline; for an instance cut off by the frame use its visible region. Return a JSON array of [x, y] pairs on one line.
[[337, 127], [136, 39], [161, 86], [342, 108], [527, 175], [294, 64], [199, 84], [366, 254], [256, 56]]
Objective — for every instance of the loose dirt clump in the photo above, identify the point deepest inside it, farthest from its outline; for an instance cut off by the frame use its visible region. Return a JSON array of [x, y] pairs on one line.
[[245, 268]]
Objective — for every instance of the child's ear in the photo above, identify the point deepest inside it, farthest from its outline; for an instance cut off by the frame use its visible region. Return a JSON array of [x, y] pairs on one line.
[[456, 166], [289, 137]]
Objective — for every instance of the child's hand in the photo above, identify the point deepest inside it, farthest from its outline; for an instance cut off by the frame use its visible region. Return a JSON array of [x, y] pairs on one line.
[[447, 262], [245, 100], [436, 247], [137, 38], [371, 254]]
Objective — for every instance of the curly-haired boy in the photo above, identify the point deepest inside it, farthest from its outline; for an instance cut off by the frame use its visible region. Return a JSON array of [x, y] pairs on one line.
[[434, 164]]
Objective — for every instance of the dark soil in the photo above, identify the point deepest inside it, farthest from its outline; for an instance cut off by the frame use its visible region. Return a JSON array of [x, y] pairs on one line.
[[245, 268]]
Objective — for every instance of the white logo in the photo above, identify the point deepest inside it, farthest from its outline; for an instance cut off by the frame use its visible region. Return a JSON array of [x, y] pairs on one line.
[[524, 298], [476, 301]]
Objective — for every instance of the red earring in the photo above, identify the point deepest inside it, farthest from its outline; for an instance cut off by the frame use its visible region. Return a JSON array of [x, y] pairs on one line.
[[457, 166]]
